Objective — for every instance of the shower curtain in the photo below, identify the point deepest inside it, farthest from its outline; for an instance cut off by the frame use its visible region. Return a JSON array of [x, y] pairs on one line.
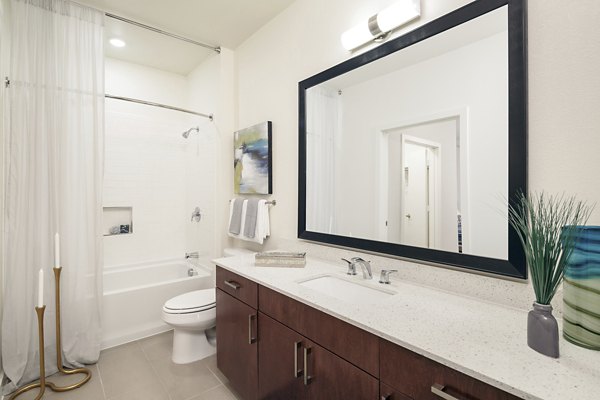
[[323, 112], [53, 127]]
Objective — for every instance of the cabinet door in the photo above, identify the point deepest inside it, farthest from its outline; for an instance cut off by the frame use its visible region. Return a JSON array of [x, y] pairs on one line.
[[331, 377], [388, 393], [279, 361], [237, 350], [422, 378]]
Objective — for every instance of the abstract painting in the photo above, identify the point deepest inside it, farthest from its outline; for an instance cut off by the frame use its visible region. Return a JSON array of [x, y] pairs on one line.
[[252, 160]]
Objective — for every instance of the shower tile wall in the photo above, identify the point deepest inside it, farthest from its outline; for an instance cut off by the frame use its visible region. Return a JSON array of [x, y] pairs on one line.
[[152, 168]]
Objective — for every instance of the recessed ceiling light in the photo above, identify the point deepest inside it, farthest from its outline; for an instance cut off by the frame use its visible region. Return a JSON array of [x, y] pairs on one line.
[[117, 42]]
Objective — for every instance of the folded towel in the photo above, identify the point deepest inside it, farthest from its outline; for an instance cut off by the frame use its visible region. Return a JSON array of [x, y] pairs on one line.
[[235, 216], [251, 221]]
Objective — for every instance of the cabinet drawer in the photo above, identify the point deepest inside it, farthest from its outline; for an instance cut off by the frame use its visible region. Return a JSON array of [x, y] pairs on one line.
[[388, 393], [357, 346], [239, 287], [415, 375]]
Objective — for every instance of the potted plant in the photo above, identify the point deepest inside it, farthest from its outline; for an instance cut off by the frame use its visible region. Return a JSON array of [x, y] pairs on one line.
[[544, 224]]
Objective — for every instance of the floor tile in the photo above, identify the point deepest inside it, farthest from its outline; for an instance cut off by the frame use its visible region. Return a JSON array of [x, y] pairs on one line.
[[183, 381], [218, 393], [158, 347], [125, 369], [154, 390], [211, 363]]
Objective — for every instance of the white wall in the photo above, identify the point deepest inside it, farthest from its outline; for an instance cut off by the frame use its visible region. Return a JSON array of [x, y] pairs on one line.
[[564, 94], [150, 167]]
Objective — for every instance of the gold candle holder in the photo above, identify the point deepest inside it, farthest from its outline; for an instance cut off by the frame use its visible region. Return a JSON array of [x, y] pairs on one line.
[[42, 383], [59, 363]]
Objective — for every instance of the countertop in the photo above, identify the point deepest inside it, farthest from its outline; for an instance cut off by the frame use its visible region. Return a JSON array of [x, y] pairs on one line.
[[484, 340]]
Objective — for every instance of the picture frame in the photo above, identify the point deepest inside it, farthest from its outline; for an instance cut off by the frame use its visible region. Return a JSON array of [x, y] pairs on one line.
[[253, 159]]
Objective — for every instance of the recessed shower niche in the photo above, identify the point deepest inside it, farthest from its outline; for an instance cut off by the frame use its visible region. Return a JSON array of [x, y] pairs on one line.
[[117, 220]]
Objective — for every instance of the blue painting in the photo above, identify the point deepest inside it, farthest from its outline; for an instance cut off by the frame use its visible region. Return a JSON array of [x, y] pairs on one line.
[[252, 158]]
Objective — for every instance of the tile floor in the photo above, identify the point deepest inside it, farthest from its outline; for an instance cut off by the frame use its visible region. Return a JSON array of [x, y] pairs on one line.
[[143, 370]]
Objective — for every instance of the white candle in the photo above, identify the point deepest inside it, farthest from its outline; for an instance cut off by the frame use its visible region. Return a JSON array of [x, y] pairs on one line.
[[56, 250], [41, 288]]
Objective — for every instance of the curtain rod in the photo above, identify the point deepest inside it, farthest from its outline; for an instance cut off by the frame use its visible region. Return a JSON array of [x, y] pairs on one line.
[[150, 103], [153, 29]]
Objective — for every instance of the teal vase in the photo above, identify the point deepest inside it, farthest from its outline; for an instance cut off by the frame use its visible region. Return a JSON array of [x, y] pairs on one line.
[[581, 289]]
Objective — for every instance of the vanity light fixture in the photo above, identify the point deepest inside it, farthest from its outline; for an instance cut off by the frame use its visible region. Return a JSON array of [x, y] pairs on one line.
[[117, 42], [381, 24]]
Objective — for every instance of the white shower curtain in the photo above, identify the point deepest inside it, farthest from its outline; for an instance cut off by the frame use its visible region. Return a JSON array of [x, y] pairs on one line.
[[322, 136], [53, 128]]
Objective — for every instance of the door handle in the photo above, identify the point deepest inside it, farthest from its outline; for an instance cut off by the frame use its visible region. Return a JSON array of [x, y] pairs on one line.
[[439, 390], [232, 284], [251, 339], [307, 377], [297, 372]]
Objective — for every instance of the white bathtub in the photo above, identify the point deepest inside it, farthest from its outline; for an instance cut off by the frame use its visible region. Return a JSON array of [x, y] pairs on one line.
[[134, 296]]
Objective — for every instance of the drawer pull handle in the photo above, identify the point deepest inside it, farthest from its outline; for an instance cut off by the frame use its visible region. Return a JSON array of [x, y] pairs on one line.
[[307, 377], [297, 372], [251, 339], [388, 397], [438, 390], [232, 284]]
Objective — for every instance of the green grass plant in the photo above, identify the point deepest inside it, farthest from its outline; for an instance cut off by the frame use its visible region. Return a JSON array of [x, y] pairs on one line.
[[545, 224]]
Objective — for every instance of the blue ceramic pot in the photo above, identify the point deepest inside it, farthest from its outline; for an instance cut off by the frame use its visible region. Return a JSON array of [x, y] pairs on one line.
[[581, 289]]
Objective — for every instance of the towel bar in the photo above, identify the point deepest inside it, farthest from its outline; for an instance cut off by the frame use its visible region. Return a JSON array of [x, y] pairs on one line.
[[269, 202]]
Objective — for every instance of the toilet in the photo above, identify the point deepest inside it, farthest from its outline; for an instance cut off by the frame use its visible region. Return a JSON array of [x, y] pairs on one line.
[[192, 316]]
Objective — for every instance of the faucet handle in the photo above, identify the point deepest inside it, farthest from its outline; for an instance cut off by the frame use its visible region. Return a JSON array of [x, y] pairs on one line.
[[358, 259], [351, 266], [385, 275]]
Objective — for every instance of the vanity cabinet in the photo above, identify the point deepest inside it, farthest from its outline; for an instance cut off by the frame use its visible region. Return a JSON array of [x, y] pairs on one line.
[[271, 346], [237, 352], [291, 366], [404, 372]]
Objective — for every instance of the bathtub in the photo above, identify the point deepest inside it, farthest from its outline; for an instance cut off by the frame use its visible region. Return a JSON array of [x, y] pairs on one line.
[[135, 294]]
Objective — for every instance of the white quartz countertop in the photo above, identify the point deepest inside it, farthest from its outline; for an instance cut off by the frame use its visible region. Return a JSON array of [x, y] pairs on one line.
[[484, 340]]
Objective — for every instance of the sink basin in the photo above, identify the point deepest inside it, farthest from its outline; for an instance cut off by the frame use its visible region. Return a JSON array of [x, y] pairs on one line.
[[346, 290]]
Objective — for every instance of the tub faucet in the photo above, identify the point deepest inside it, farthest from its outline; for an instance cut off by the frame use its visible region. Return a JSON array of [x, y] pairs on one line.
[[191, 255]]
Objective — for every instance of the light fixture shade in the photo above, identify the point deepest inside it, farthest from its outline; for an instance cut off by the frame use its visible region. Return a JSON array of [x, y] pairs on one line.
[[117, 42], [356, 36], [398, 13]]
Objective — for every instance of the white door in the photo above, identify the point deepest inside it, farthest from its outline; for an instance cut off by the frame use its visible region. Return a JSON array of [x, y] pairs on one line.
[[419, 185]]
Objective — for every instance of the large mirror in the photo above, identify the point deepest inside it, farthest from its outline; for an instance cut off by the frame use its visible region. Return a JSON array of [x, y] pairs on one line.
[[414, 148]]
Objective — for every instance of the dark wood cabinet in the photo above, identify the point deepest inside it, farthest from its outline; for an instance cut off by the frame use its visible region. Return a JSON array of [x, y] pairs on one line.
[[332, 377], [280, 361], [291, 367], [389, 393], [415, 375], [237, 349]]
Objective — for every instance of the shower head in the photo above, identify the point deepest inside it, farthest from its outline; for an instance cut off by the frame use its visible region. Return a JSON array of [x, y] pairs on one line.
[[186, 134]]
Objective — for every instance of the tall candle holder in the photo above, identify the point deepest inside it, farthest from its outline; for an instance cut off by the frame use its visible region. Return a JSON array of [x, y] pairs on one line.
[[42, 383]]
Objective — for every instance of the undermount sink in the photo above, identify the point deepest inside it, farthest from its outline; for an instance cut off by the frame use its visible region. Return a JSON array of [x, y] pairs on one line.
[[346, 290]]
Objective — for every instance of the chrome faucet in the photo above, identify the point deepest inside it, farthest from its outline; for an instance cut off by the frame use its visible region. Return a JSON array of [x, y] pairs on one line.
[[192, 255], [385, 275], [196, 215], [365, 266]]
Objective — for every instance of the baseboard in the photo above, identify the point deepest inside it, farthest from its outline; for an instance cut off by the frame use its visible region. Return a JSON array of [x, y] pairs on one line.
[[113, 342]]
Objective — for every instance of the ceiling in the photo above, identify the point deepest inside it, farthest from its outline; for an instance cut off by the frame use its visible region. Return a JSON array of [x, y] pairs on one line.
[[225, 23]]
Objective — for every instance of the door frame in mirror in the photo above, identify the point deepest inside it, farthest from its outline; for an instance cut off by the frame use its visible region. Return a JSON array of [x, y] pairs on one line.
[[515, 266]]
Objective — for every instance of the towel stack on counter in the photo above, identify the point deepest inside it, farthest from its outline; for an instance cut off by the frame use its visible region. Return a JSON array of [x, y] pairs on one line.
[[249, 219], [280, 259]]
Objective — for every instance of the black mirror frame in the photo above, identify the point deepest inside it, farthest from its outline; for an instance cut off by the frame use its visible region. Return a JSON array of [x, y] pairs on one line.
[[515, 266]]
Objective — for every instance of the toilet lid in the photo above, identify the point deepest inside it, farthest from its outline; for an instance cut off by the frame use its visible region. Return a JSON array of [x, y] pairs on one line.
[[197, 300]]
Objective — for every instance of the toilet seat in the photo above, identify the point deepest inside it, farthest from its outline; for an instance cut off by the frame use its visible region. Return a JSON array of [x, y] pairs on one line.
[[191, 302]]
